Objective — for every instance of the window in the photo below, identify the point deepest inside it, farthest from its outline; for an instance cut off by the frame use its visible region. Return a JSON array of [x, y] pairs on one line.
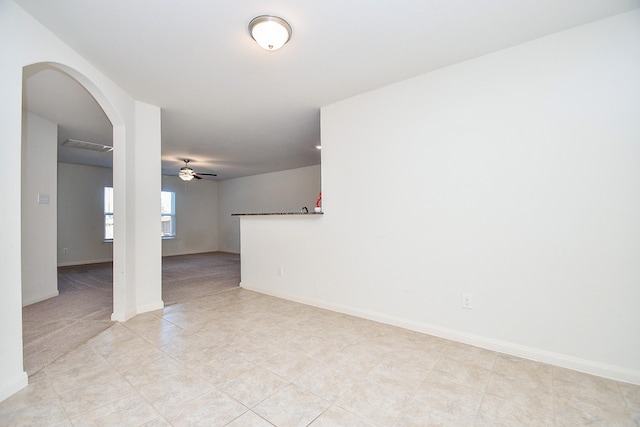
[[167, 213], [108, 213]]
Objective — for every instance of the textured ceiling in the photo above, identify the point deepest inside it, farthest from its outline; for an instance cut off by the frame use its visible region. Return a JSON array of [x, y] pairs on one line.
[[238, 110]]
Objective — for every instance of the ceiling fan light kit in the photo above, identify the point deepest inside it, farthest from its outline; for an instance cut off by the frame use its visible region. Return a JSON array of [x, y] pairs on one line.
[[270, 32], [187, 174]]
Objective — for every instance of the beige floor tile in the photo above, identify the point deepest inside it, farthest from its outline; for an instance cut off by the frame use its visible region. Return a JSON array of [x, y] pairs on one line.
[[521, 392], [381, 329], [582, 398], [405, 376], [374, 346], [158, 366], [224, 334], [155, 331], [84, 356], [356, 360], [183, 317], [291, 406], [470, 355], [207, 324], [338, 335], [403, 354], [378, 404], [314, 346], [284, 338], [121, 353], [174, 390], [206, 362], [249, 419], [223, 369], [211, 409], [631, 393], [495, 411], [575, 410], [254, 386], [417, 414], [91, 396], [41, 413], [445, 398], [338, 417], [34, 392], [144, 321], [128, 411], [193, 351], [523, 369], [157, 422], [598, 388], [608, 420], [405, 339], [183, 344], [108, 335], [257, 349], [136, 356], [79, 377], [290, 364], [118, 340], [460, 373], [327, 382], [312, 326]]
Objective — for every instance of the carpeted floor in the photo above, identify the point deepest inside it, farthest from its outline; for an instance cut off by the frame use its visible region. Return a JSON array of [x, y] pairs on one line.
[[83, 309]]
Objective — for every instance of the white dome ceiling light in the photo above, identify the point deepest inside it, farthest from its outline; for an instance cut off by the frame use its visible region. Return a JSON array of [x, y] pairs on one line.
[[270, 32]]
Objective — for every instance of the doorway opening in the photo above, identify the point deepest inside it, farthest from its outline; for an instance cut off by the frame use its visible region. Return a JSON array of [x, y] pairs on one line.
[[62, 213]]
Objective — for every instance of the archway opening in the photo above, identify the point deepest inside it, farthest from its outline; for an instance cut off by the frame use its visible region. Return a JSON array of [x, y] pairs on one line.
[[63, 217]]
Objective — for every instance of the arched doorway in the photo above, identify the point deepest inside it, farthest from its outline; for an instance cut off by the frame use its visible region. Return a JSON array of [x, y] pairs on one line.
[[62, 186]]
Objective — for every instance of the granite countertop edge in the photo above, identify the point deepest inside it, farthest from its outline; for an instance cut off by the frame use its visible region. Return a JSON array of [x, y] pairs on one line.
[[278, 213]]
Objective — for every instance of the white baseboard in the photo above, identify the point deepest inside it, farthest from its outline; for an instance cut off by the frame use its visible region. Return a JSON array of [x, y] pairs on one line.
[[557, 359], [98, 261], [122, 316], [40, 298], [84, 262], [14, 385], [158, 305]]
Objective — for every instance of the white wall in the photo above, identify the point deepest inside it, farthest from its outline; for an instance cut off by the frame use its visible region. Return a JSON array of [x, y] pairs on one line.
[[81, 208], [81, 214], [136, 138], [196, 216], [513, 177], [203, 209], [39, 156], [286, 191]]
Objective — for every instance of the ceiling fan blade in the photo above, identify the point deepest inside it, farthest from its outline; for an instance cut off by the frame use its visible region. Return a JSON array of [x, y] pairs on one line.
[[208, 174], [196, 176]]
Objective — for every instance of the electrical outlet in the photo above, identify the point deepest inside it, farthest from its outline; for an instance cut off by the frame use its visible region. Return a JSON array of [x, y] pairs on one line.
[[65, 250], [280, 271], [467, 301]]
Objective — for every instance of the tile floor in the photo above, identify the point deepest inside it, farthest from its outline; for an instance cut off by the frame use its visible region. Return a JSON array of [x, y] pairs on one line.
[[240, 358]]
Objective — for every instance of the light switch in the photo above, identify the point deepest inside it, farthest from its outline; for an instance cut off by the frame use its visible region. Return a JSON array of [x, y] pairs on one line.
[[43, 199]]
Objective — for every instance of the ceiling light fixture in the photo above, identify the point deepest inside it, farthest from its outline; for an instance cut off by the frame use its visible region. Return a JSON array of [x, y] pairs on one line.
[[186, 173], [270, 32]]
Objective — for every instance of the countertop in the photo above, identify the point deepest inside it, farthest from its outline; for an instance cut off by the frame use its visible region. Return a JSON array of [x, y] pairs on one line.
[[277, 213]]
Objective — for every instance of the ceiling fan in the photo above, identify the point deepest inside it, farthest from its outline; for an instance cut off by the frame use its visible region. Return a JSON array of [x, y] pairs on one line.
[[187, 174]]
